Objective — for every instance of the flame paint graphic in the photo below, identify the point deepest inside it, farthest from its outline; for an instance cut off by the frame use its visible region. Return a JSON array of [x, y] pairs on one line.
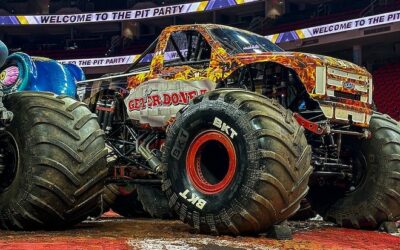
[[9, 76]]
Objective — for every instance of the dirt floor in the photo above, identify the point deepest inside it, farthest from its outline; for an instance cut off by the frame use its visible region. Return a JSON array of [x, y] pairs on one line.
[[112, 232]]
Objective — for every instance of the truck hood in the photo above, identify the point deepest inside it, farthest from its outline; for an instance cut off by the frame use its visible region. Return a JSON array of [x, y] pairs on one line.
[[304, 64], [301, 60], [329, 75]]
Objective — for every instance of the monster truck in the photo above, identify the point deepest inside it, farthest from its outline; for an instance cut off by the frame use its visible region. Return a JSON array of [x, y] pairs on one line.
[[236, 132], [52, 150]]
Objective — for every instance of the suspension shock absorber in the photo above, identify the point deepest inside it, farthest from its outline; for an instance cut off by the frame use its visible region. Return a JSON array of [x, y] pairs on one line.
[[100, 111], [107, 105], [109, 115], [283, 87], [105, 112]]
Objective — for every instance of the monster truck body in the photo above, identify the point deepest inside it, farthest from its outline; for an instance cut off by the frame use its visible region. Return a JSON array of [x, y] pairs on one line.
[[236, 129], [336, 84]]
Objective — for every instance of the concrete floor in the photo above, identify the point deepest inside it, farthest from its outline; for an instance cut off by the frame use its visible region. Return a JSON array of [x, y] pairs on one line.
[[112, 233]]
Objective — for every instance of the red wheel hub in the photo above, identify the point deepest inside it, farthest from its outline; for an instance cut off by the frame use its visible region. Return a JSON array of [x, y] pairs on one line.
[[211, 162], [125, 191]]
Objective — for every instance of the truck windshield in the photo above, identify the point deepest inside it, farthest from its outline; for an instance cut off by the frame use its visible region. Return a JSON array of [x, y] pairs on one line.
[[236, 41]]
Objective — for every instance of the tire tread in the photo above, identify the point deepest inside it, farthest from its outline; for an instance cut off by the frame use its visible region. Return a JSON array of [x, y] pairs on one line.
[[54, 193]]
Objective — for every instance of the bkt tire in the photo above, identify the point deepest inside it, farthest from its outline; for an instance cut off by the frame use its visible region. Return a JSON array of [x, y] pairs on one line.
[[377, 197], [54, 162], [235, 163]]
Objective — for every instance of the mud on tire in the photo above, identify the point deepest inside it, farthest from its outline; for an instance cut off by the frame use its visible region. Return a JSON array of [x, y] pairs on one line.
[[60, 164], [377, 198], [235, 163]]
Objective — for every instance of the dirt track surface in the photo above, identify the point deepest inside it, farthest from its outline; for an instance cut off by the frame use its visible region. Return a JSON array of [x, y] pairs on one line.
[[120, 233]]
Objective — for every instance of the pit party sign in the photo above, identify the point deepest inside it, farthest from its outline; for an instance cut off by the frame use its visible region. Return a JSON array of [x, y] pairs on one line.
[[332, 28], [138, 14]]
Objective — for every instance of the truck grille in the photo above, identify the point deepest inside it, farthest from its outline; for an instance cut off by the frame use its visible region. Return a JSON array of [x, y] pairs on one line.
[[360, 85]]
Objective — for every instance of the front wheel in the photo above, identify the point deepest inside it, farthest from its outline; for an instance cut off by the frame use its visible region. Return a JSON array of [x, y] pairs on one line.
[[52, 161], [235, 163], [376, 198]]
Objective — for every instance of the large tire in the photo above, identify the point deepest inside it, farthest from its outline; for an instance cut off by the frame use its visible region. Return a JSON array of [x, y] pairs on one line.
[[128, 205], [154, 202], [211, 192], [377, 198], [60, 163]]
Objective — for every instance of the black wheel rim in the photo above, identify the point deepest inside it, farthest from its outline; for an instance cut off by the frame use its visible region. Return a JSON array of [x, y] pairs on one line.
[[8, 160], [359, 164]]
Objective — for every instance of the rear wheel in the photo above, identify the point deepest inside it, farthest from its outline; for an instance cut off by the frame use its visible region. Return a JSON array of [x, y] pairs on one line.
[[376, 197], [235, 163], [154, 202], [141, 201], [53, 162], [127, 204]]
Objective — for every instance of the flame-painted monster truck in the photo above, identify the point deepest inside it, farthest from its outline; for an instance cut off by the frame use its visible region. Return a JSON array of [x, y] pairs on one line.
[[52, 150], [236, 131]]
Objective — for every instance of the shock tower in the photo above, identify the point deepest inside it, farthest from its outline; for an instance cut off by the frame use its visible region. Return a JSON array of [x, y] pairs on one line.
[[271, 80]]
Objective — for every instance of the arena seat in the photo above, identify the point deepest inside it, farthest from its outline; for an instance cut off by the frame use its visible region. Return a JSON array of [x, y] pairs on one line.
[[387, 89]]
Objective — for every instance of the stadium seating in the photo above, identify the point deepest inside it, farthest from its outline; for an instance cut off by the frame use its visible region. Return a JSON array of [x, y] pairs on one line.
[[387, 89]]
